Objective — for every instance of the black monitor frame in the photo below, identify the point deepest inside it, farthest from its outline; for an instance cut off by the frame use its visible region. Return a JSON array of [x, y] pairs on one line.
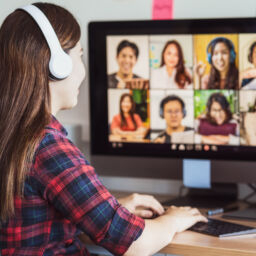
[[98, 31]]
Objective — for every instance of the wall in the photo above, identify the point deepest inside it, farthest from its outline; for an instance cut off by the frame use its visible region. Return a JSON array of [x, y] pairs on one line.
[[92, 10]]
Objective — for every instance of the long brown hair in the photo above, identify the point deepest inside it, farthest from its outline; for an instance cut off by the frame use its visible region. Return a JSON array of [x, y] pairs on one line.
[[231, 80], [225, 106], [24, 93], [182, 77], [131, 112]]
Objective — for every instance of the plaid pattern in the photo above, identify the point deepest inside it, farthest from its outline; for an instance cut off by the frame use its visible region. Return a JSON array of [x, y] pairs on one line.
[[63, 197]]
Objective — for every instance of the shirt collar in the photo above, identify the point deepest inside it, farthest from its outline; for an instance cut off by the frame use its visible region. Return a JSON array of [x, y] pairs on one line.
[[56, 125]]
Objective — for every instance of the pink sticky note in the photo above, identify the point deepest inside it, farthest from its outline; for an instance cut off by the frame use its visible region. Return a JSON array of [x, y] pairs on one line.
[[162, 9]]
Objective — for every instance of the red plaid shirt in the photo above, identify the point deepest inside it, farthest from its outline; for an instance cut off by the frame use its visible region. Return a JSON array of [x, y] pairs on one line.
[[64, 197]]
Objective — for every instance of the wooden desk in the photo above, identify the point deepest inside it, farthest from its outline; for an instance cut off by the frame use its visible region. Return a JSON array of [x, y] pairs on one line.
[[190, 243]]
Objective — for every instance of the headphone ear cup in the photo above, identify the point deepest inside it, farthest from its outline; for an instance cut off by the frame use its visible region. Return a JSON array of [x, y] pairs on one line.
[[60, 64], [250, 57], [232, 56], [184, 112], [209, 58], [161, 112]]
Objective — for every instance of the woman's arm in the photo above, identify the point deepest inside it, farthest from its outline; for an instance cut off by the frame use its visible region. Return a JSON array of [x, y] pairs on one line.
[[139, 132], [248, 73], [144, 206], [215, 139], [160, 231]]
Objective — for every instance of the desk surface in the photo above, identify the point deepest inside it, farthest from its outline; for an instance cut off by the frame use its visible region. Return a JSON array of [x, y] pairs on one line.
[[191, 243]]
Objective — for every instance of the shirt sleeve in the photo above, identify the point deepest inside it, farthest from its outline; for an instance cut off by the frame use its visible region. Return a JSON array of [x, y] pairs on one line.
[[115, 123], [71, 185]]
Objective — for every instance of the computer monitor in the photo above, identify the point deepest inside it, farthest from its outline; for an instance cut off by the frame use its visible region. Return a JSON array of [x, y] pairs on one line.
[[164, 91]]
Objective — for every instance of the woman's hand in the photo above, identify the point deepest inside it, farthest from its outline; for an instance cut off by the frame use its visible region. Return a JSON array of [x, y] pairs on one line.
[[144, 206], [248, 73], [199, 68], [184, 217]]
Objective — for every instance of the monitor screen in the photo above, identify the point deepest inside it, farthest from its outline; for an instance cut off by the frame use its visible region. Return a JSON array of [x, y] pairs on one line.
[[180, 88]]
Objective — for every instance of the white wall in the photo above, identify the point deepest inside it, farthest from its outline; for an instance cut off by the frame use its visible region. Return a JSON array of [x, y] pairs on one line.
[[92, 10]]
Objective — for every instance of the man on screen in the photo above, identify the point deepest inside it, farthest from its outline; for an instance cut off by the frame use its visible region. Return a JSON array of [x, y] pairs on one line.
[[172, 109], [126, 56]]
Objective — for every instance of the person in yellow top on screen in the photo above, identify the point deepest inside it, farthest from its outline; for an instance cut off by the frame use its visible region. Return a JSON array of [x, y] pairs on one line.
[[172, 109], [248, 76], [172, 73], [126, 57], [127, 122], [217, 126], [221, 56]]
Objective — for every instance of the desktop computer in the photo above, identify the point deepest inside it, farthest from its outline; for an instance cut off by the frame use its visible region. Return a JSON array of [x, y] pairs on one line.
[[175, 100]]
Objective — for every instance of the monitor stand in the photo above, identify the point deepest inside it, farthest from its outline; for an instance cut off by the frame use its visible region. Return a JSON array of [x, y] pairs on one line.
[[201, 192], [219, 195]]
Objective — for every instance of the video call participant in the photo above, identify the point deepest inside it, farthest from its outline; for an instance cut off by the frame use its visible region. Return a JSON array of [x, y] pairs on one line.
[[221, 56], [172, 109], [172, 73], [249, 124], [248, 76], [127, 122], [49, 193], [217, 127], [126, 57]]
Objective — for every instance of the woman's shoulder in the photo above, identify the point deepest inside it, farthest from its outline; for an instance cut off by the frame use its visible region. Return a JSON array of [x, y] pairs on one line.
[[159, 70], [56, 152], [55, 136], [117, 117], [55, 140], [158, 78]]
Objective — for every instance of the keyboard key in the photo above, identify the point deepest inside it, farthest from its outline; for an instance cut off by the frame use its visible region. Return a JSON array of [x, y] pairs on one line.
[[221, 228]]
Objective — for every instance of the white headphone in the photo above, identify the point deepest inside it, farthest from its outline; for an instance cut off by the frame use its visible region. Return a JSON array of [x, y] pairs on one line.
[[60, 64]]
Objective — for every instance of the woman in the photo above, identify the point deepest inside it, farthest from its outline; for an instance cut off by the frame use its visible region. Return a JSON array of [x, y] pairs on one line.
[[223, 74], [126, 57], [217, 127], [248, 122], [172, 73], [248, 76], [48, 191], [127, 122]]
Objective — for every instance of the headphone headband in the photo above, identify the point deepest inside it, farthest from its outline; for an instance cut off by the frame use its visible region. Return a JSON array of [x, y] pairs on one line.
[[60, 64]]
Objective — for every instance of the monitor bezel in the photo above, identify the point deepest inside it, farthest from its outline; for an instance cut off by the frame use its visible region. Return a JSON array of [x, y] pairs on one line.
[[98, 31]]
